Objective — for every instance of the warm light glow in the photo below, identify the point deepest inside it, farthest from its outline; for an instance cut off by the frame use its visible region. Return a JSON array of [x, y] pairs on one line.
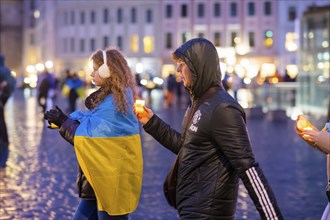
[[268, 42], [292, 71], [49, 64], [36, 14], [148, 42], [30, 69], [134, 43], [267, 69], [139, 68], [167, 69], [40, 67], [325, 44], [291, 41]]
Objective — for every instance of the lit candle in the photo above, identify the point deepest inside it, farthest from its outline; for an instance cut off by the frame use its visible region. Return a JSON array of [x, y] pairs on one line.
[[139, 105]]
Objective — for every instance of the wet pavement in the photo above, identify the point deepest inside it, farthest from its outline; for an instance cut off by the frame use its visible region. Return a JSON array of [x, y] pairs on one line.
[[39, 181]]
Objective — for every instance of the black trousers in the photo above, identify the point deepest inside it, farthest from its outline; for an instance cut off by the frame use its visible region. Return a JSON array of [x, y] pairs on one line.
[[4, 143]]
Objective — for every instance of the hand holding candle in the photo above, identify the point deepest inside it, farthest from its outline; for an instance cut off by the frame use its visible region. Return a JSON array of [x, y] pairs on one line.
[[139, 105]]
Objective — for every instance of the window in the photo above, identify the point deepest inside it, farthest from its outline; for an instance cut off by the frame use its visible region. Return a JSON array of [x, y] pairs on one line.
[[82, 17], [66, 22], [119, 15], [72, 21], [168, 12], [93, 17], [200, 11], [120, 42], [268, 38], [292, 15], [105, 16], [65, 45], [184, 10], [72, 44], [251, 9], [217, 39], [233, 38], [133, 15], [168, 40], [92, 44], [148, 42], [134, 43], [267, 8], [233, 9], [105, 42], [251, 39], [82, 45], [149, 16], [216, 10]]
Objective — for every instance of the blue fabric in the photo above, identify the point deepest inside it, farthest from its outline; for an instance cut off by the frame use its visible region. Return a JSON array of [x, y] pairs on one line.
[[107, 122], [87, 210], [74, 83]]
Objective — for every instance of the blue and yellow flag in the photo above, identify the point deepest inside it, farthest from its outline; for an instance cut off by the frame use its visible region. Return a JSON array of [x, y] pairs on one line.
[[108, 148]]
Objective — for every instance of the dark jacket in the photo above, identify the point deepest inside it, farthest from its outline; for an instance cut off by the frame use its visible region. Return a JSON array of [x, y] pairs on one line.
[[68, 130], [216, 149]]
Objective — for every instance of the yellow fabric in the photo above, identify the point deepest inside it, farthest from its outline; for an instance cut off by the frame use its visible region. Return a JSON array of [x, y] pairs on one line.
[[114, 167], [81, 92], [65, 90]]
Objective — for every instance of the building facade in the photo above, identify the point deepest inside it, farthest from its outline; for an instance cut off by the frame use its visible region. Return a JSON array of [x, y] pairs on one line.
[[252, 36], [11, 41]]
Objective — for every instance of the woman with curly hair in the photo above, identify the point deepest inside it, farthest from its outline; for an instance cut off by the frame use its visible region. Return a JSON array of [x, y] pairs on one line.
[[106, 140]]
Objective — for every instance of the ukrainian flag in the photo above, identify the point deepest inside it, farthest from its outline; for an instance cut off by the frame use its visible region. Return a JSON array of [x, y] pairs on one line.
[[108, 148]]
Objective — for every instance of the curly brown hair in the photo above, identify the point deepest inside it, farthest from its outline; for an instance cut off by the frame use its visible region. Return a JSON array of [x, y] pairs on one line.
[[120, 79]]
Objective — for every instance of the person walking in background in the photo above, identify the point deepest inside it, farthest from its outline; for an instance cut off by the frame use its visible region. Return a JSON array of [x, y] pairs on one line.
[[106, 140], [170, 89], [236, 84], [46, 90], [319, 140], [214, 148], [74, 84], [7, 87]]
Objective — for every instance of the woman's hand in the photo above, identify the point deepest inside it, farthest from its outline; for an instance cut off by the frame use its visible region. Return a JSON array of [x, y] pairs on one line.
[[310, 134], [143, 114]]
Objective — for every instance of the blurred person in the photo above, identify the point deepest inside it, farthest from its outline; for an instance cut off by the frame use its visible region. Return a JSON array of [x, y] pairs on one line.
[[106, 140], [236, 84], [214, 149], [7, 87], [46, 90], [74, 84], [320, 140], [170, 89]]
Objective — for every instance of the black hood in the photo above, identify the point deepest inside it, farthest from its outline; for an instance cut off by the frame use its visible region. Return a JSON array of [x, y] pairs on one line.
[[202, 59]]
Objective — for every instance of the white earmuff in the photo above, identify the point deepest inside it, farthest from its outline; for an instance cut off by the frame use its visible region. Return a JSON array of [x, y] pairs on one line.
[[104, 71]]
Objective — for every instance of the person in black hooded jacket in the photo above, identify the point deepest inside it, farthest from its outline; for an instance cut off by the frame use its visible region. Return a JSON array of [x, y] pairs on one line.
[[215, 150]]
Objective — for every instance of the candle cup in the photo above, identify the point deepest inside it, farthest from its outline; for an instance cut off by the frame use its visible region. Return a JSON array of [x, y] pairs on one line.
[[139, 105]]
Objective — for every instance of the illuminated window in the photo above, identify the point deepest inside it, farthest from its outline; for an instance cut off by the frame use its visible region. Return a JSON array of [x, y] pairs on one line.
[[217, 39], [291, 41], [268, 40], [251, 39], [134, 43], [148, 42]]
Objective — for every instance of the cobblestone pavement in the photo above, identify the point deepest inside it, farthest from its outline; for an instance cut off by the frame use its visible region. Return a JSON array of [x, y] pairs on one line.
[[39, 181]]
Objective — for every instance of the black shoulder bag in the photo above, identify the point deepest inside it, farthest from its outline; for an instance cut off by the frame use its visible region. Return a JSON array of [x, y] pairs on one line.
[[169, 186]]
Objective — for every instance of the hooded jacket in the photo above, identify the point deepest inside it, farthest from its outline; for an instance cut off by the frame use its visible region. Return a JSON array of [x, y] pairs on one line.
[[5, 75], [216, 150]]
